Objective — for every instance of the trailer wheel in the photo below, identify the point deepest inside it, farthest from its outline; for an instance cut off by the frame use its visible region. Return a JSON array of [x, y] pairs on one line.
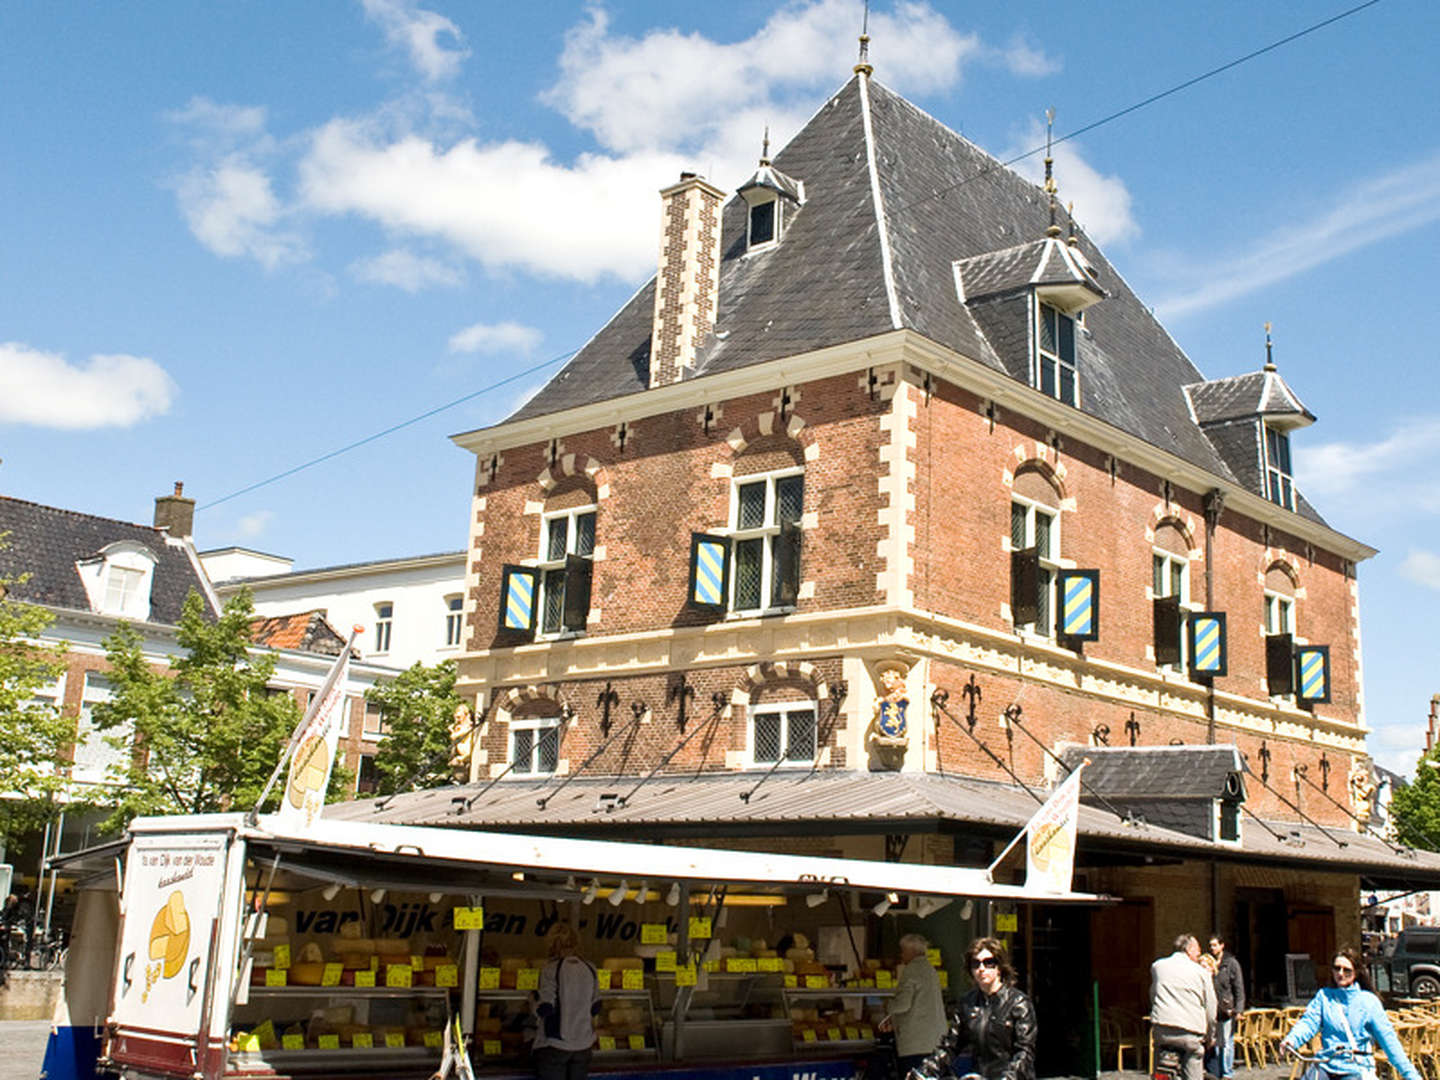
[[1425, 986]]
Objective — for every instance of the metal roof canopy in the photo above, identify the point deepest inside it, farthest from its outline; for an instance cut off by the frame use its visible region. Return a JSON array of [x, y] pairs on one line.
[[551, 860]]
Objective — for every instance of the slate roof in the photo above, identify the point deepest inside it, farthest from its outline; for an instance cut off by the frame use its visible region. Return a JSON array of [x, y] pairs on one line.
[[1258, 393], [1147, 771], [709, 805], [46, 543], [944, 200], [1040, 262], [772, 179], [305, 631]]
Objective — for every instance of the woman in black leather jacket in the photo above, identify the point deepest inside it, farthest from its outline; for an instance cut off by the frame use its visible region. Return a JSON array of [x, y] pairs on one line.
[[996, 1022]]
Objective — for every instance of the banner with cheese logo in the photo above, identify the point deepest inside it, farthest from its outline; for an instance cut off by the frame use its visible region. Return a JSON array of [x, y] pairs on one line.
[[171, 888], [1050, 838], [313, 746]]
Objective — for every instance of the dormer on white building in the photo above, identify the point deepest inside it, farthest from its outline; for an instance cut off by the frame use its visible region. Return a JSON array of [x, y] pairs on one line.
[[118, 579]]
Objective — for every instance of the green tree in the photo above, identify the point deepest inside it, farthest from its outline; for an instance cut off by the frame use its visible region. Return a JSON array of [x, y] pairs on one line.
[[33, 736], [419, 709], [207, 733], [1415, 808]]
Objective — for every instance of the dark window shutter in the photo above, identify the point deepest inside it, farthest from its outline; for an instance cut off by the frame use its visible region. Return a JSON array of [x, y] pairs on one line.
[[787, 565], [1025, 586], [1280, 664], [518, 586], [709, 571], [1312, 673], [1167, 630], [1208, 654], [578, 572], [1079, 616]]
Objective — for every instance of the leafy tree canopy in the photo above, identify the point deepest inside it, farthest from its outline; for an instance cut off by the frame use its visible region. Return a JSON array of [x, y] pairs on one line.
[[207, 733], [419, 708], [1415, 808]]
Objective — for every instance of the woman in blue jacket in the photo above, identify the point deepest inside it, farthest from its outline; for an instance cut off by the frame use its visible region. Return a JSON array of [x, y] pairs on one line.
[[1349, 1016]]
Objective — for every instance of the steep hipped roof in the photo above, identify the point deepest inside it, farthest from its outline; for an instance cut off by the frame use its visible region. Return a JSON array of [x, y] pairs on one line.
[[876, 250], [1257, 393], [307, 631], [46, 542]]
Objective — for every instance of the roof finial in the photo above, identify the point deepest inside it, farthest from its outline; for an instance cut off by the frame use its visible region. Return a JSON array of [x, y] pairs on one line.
[[1269, 354], [1050, 188], [765, 147], [1073, 240], [864, 67]]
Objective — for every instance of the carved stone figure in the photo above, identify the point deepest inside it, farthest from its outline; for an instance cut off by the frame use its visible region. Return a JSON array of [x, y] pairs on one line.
[[889, 734], [1362, 789]]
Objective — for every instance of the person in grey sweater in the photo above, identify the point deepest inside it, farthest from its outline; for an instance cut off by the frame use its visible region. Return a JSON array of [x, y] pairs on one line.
[[1182, 1005], [1229, 1003], [917, 1011]]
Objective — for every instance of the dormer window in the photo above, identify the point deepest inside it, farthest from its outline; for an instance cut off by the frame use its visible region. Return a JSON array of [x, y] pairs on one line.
[[764, 219], [1279, 483], [1055, 370], [118, 579], [770, 198]]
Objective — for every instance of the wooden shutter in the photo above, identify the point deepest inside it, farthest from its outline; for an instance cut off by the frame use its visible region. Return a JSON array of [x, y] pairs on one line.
[[1078, 618], [578, 572], [787, 565], [1208, 654], [709, 571], [1025, 586], [1167, 630], [1312, 673], [1280, 664], [518, 588]]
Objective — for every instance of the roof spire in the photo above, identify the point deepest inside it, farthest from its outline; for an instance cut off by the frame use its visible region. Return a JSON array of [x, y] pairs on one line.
[[765, 147], [1050, 188], [864, 67], [1070, 213], [1269, 355]]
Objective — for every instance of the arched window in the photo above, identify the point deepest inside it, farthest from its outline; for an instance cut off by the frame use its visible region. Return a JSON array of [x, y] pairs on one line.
[[1035, 551], [1279, 602], [567, 552], [1170, 589]]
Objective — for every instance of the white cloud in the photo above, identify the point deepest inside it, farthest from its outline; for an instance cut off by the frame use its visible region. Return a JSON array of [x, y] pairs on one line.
[[433, 43], [1402, 200], [1022, 58], [1102, 203], [1422, 567], [406, 270], [233, 211], [45, 390], [505, 337], [1376, 470], [252, 525]]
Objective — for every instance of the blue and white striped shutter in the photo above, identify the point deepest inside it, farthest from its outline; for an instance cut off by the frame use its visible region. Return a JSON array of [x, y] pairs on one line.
[[518, 588], [709, 571], [1079, 616], [1312, 666], [1208, 654]]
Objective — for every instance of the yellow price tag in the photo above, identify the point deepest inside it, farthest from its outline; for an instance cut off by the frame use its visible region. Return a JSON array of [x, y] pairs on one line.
[[492, 1048], [791, 982], [866, 1031], [362, 1040], [331, 975], [364, 978], [685, 976], [395, 1039], [740, 964], [833, 1034], [1007, 924], [632, 979], [884, 979], [489, 978], [447, 975], [434, 1039], [712, 965], [770, 963], [852, 1033], [329, 1042], [265, 1032], [607, 1042], [602, 976], [808, 1035], [292, 1042], [933, 955], [282, 956], [652, 933], [637, 1042], [527, 979], [944, 979], [665, 961], [277, 977], [374, 963], [816, 982], [249, 1042], [398, 975], [469, 918], [417, 962], [700, 926]]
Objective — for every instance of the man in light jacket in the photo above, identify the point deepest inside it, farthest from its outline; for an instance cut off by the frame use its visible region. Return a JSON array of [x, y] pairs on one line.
[[917, 1011], [1182, 1005]]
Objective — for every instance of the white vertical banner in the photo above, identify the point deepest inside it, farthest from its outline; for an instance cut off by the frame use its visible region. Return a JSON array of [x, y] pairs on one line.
[[313, 747], [1050, 838]]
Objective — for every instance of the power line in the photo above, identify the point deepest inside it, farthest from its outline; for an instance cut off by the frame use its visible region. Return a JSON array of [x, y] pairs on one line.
[[1147, 101], [388, 431]]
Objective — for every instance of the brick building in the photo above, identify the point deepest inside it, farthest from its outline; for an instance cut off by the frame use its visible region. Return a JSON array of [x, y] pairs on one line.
[[884, 494]]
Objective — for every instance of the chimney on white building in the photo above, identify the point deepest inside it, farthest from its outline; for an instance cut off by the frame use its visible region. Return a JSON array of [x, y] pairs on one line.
[[175, 513], [687, 286]]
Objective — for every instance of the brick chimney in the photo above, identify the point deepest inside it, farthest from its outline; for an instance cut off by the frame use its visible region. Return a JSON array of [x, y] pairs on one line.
[[688, 283], [175, 513]]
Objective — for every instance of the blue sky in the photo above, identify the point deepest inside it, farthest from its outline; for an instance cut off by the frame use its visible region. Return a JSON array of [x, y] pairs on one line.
[[234, 237]]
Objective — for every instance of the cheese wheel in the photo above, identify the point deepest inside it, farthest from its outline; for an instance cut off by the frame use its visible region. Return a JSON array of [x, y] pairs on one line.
[[307, 974], [170, 934]]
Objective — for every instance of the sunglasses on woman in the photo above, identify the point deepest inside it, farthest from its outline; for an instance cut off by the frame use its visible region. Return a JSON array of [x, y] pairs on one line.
[[1342, 969], [984, 962]]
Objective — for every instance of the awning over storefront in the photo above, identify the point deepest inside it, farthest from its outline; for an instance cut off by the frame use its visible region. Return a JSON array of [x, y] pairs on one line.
[[836, 803]]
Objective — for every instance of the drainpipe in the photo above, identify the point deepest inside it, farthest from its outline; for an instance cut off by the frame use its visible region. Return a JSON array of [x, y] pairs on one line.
[[1214, 507]]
